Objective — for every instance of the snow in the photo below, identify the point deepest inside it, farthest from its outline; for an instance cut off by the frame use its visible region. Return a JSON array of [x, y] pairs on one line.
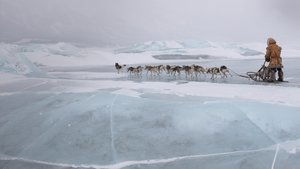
[[64, 54], [69, 109], [12, 60], [213, 49], [9, 77], [87, 75], [237, 91], [222, 50], [26, 57]]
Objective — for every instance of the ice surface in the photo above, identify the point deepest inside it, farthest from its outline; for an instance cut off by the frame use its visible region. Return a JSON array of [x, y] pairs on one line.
[[30, 57], [90, 117], [181, 57], [78, 129], [257, 160], [13, 61], [206, 47]]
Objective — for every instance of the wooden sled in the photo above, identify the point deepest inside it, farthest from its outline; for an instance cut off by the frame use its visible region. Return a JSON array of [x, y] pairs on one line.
[[264, 74]]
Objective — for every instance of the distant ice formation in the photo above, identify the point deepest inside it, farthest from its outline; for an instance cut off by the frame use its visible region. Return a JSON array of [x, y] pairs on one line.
[[176, 47]]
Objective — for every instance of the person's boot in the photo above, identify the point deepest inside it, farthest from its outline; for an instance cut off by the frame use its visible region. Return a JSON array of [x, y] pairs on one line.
[[280, 76]]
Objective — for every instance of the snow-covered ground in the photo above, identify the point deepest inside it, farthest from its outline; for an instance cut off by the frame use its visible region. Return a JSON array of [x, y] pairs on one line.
[[64, 106], [68, 55]]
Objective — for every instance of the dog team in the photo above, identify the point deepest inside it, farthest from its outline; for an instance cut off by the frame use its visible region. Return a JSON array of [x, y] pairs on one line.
[[192, 71]]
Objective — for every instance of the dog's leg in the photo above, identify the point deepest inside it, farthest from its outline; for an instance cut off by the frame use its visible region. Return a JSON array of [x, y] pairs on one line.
[[229, 73], [224, 75], [213, 76]]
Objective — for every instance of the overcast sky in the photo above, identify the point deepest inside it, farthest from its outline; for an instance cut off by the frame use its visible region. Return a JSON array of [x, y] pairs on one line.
[[129, 21]]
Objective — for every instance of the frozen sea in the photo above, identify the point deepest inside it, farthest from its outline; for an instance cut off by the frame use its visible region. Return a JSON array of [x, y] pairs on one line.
[[91, 117]]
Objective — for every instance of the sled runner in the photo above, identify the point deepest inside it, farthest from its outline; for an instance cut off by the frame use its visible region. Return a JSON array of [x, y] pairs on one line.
[[264, 74]]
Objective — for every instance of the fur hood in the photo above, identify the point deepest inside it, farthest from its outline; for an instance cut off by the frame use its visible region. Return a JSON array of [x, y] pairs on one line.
[[271, 41]]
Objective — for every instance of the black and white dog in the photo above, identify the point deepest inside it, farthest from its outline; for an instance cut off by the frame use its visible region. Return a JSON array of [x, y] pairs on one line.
[[224, 70], [119, 67]]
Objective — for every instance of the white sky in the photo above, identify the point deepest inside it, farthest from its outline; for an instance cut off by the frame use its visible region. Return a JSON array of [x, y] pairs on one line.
[[109, 22]]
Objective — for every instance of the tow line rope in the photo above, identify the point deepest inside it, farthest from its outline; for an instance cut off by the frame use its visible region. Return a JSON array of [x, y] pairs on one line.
[[248, 73], [244, 76]]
